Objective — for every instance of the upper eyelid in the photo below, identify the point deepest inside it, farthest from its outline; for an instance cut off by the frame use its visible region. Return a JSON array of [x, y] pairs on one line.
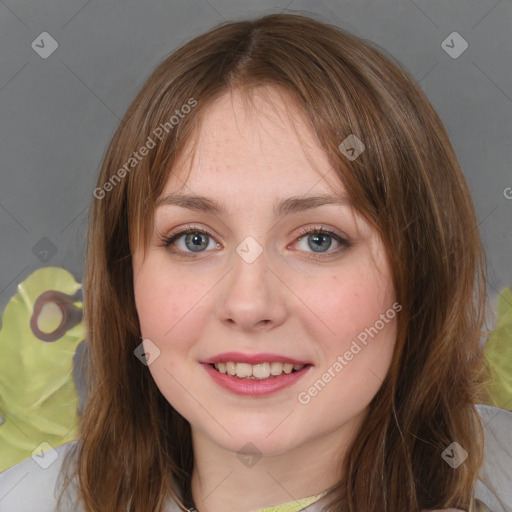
[[303, 231]]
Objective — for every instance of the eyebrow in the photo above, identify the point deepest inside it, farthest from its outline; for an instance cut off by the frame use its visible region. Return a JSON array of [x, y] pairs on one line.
[[281, 208]]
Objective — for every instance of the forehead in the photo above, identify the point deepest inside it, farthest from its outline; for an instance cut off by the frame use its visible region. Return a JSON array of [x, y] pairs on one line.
[[262, 144]]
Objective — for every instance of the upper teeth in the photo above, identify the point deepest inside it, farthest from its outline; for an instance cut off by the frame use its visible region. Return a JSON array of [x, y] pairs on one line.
[[257, 371]]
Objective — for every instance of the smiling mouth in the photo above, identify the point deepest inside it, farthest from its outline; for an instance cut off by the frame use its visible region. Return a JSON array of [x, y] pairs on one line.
[[261, 371]]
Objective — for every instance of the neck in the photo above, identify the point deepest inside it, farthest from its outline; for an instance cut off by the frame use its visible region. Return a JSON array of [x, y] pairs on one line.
[[224, 480]]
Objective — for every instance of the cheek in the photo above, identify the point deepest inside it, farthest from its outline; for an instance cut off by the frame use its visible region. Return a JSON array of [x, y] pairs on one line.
[[346, 303], [170, 306], [154, 306], [158, 305], [167, 306], [355, 328], [355, 344]]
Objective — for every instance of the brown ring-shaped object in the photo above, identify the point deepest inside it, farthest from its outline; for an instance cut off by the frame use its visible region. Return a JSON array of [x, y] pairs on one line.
[[71, 315]]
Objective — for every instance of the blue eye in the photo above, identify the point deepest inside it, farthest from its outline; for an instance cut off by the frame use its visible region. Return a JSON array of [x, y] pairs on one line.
[[197, 240], [319, 240]]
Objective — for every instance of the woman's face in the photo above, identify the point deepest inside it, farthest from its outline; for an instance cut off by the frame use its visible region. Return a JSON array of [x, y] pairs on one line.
[[249, 280]]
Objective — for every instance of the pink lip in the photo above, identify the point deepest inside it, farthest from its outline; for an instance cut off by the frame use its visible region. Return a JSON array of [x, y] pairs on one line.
[[255, 387], [238, 357]]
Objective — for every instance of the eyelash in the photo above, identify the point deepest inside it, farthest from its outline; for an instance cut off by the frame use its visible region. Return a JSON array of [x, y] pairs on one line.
[[168, 241]]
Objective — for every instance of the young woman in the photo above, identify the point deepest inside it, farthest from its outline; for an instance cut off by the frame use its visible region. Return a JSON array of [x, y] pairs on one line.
[[284, 291]]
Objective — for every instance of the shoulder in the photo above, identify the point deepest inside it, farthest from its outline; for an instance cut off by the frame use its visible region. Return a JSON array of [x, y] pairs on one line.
[[32, 485], [493, 487]]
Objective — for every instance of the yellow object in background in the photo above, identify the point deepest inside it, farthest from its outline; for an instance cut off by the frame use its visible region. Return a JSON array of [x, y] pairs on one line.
[[498, 353], [41, 329]]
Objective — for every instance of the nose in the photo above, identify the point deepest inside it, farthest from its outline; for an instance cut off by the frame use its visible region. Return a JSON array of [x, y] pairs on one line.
[[253, 296]]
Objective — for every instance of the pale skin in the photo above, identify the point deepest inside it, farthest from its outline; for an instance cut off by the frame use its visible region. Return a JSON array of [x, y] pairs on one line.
[[291, 301]]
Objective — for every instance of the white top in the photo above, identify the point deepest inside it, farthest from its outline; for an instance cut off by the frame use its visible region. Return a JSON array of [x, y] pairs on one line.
[[29, 487]]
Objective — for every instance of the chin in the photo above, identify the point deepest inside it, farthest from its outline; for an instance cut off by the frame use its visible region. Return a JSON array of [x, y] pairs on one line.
[[257, 442]]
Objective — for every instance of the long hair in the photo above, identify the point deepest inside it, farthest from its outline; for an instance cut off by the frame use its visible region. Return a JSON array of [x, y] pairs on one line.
[[134, 449]]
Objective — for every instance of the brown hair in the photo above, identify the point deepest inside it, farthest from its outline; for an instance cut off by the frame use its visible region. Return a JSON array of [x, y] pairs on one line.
[[134, 448]]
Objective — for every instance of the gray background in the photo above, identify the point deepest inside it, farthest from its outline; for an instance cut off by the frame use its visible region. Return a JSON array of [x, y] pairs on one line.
[[59, 113]]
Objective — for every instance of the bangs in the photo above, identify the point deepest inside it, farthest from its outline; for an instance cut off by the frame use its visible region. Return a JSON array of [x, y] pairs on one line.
[[178, 145]]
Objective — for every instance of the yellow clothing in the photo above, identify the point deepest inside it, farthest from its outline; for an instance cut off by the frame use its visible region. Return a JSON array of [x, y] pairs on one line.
[[295, 505]]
